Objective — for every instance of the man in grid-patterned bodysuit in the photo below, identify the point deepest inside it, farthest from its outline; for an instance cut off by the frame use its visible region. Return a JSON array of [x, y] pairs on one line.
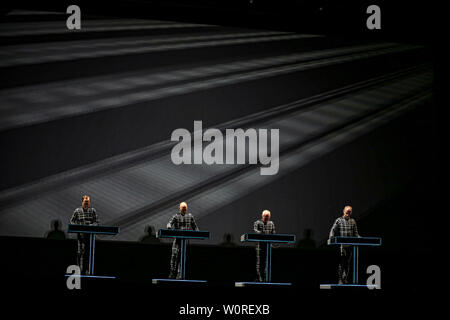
[[267, 227], [344, 226], [85, 215], [182, 221]]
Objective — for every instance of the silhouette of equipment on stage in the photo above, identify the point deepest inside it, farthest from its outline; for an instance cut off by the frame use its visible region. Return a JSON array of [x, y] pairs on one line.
[[307, 242], [228, 240], [150, 235], [55, 232]]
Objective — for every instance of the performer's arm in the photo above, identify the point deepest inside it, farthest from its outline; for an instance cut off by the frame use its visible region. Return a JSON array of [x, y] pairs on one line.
[[333, 229], [194, 224], [170, 224], [274, 245], [95, 220], [256, 227], [74, 219], [356, 231]]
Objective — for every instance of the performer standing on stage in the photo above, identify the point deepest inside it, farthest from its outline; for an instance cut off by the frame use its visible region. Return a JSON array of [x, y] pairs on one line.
[[267, 227], [183, 221], [85, 215], [344, 226]]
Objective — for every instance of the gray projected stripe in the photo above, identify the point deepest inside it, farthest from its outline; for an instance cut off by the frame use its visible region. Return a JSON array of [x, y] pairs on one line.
[[143, 80], [30, 114], [9, 59], [115, 43], [37, 28]]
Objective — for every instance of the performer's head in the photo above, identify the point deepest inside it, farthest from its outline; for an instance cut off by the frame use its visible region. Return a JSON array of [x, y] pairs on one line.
[[347, 212], [183, 207], [85, 201], [265, 216]]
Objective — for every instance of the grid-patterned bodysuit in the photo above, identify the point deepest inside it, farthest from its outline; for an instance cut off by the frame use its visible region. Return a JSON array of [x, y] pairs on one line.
[[85, 217], [261, 248], [181, 222], [344, 228]]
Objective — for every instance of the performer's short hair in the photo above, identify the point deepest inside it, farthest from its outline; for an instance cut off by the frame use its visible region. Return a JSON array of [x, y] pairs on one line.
[[266, 212]]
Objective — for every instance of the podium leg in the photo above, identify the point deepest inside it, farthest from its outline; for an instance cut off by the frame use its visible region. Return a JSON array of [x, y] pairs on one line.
[[355, 264], [268, 262], [183, 259], [91, 253]]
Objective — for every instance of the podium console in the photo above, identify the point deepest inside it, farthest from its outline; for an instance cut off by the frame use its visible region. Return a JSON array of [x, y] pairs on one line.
[[355, 242], [92, 230], [183, 236], [266, 239], [261, 237]]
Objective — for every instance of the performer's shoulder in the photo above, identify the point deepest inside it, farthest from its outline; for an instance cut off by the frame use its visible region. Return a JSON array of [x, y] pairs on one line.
[[176, 216], [77, 210]]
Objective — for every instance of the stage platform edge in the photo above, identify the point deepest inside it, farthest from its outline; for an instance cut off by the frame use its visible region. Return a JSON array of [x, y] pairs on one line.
[[179, 282], [348, 286], [243, 284], [89, 276]]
